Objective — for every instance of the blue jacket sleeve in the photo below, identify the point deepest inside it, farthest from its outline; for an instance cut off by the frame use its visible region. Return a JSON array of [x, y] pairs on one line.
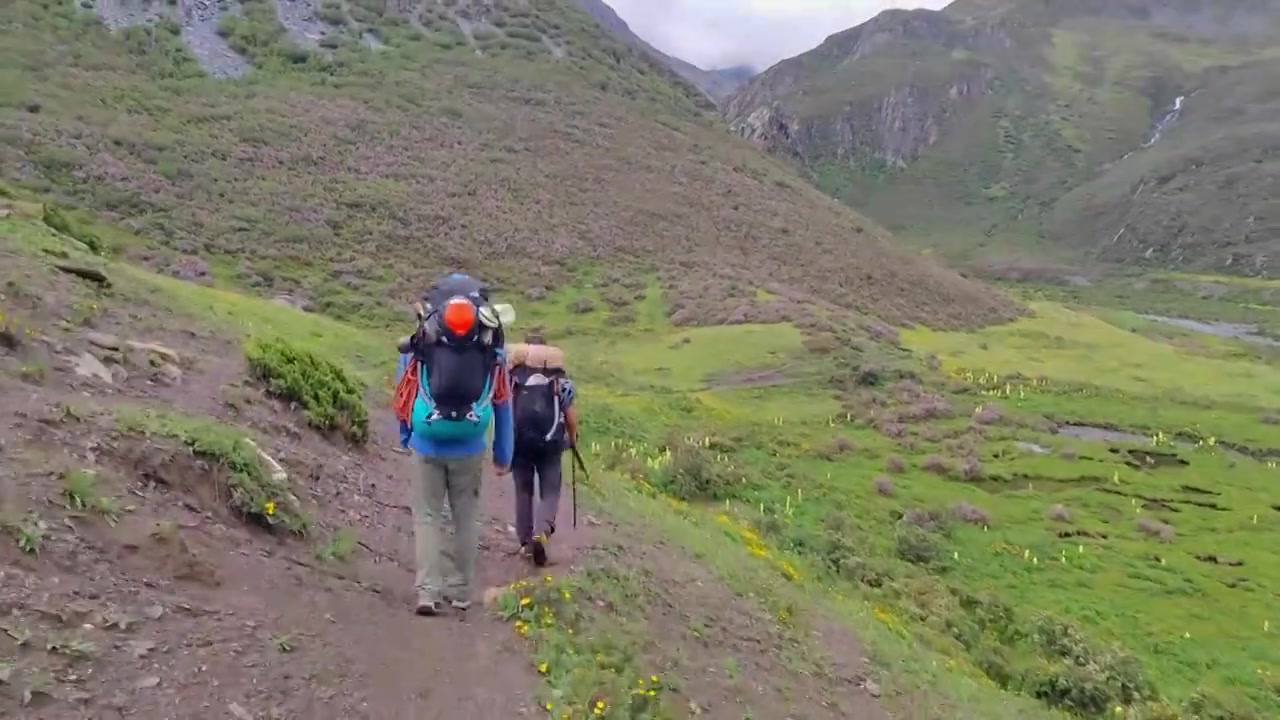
[[567, 392], [503, 428], [401, 365]]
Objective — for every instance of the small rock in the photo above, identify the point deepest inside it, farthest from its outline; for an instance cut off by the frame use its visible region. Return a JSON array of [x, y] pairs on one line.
[[119, 374], [588, 519], [168, 374], [103, 340], [141, 648], [872, 688], [153, 612], [239, 712], [293, 301], [147, 682], [163, 352], [191, 269], [86, 365], [87, 273]]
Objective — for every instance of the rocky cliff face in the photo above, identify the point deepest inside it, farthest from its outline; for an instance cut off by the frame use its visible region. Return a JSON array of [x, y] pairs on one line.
[[885, 90], [975, 120]]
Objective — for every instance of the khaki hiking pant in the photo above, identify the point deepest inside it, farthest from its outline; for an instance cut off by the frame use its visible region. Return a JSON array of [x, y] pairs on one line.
[[436, 480]]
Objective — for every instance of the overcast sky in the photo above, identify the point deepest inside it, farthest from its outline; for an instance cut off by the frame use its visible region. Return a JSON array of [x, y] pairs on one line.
[[722, 33]]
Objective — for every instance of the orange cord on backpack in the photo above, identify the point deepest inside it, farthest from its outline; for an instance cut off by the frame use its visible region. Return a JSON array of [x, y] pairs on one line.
[[501, 384], [406, 392]]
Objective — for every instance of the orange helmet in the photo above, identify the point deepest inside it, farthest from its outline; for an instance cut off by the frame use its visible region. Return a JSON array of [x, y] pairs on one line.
[[458, 316]]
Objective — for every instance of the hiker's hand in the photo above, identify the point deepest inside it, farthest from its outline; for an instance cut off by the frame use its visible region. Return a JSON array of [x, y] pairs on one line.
[[501, 470]]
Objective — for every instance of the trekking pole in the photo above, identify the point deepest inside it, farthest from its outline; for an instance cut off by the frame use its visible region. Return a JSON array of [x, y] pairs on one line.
[[573, 491], [581, 464]]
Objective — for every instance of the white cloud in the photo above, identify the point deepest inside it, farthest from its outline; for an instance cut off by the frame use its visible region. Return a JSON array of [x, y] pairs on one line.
[[720, 33]]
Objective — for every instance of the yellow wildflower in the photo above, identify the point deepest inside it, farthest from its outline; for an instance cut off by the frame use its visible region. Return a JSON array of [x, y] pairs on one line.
[[526, 601], [542, 668], [269, 508]]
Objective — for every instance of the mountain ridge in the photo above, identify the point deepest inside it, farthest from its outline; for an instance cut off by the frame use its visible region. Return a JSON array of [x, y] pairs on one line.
[[964, 127], [539, 151], [717, 83]]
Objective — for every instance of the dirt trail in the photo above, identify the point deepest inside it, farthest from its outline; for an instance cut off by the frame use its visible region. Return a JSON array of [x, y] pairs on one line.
[[181, 609]]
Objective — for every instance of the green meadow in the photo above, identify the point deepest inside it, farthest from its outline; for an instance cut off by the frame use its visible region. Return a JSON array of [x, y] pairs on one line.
[[1074, 513]]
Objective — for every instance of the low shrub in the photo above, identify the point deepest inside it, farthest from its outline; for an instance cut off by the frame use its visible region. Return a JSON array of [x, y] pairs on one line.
[[329, 397], [694, 473]]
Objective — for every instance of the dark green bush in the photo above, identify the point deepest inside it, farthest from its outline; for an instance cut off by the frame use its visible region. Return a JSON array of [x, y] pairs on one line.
[[327, 394], [59, 221], [917, 545], [695, 473]]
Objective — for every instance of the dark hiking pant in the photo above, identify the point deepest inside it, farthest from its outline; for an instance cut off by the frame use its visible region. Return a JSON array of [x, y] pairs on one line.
[[540, 517]]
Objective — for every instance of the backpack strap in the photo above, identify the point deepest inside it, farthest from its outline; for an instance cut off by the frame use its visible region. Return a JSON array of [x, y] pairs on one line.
[[490, 395], [555, 406]]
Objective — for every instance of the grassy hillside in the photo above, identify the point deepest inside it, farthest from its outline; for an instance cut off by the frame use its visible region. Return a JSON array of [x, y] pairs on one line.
[[1205, 190], [963, 128], [1037, 520], [524, 153]]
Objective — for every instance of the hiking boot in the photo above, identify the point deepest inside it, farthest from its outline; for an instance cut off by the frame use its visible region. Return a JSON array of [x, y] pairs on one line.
[[427, 606], [538, 549]]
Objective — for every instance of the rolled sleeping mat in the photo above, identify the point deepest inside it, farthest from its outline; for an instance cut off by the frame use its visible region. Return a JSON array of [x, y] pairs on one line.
[[544, 357]]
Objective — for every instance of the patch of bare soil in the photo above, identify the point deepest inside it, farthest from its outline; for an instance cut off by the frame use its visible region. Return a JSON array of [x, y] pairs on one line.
[[159, 602], [750, 379]]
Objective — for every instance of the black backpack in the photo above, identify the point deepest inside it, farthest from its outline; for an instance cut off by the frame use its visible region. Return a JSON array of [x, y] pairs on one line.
[[538, 417], [457, 369]]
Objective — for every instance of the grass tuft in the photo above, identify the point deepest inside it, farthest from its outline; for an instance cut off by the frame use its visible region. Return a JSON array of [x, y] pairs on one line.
[[253, 492]]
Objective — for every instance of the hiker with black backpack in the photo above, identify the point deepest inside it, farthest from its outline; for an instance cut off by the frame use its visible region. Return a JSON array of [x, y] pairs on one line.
[[546, 425], [451, 385]]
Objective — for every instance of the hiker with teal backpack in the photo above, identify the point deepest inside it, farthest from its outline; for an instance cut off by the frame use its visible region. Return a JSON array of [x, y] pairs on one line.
[[451, 385]]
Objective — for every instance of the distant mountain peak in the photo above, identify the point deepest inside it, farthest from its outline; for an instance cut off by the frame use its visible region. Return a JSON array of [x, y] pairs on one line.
[[717, 84]]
